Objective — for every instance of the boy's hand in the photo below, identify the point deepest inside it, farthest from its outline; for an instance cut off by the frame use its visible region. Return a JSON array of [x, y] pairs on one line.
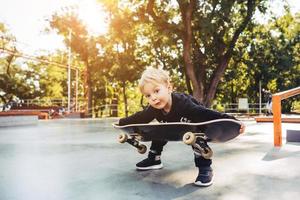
[[243, 127]]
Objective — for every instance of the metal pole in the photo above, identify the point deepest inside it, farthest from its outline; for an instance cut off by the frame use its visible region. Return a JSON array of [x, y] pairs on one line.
[[76, 95], [260, 97], [69, 72]]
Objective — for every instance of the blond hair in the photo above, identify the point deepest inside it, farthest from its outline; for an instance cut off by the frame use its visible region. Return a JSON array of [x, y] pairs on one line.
[[154, 76]]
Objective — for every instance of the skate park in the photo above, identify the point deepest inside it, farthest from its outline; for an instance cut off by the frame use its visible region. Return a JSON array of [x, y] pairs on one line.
[[82, 159], [70, 69]]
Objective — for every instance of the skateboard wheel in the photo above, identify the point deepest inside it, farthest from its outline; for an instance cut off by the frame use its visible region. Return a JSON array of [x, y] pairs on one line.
[[207, 153], [142, 149], [122, 138], [189, 138]]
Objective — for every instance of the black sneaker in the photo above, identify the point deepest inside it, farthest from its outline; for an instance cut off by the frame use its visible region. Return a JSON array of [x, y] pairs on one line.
[[205, 177], [152, 162]]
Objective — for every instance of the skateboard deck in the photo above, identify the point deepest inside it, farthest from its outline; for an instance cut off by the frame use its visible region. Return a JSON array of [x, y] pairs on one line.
[[220, 130]]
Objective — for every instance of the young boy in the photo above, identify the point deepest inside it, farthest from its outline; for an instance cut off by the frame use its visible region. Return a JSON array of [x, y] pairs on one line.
[[168, 106]]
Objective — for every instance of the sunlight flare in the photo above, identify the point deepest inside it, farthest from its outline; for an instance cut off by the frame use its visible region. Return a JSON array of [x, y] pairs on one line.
[[93, 15]]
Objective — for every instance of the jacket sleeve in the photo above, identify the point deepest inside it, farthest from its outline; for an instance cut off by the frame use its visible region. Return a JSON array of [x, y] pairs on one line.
[[144, 116], [199, 113]]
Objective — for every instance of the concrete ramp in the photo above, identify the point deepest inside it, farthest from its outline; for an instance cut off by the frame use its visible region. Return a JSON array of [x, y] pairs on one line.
[[293, 135], [80, 159], [18, 120]]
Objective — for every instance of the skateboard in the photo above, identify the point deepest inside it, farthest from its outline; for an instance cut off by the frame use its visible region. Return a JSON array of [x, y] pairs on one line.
[[195, 134]]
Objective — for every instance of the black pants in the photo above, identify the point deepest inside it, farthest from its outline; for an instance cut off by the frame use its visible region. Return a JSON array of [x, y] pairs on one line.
[[158, 146]]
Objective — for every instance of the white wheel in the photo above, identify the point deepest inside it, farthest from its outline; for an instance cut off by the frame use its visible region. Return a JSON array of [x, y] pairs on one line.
[[207, 153], [142, 149], [189, 138], [122, 138]]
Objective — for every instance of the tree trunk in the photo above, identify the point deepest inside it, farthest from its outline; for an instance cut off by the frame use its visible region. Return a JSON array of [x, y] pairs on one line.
[[125, 98], [199, 60], [186, 10], [88, 90], [114, 105], [198, 78], [224, 60], [215, 80], [188, 84]]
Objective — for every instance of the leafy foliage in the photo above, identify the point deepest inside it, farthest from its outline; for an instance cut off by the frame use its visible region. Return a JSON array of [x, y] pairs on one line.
[[212, 49]]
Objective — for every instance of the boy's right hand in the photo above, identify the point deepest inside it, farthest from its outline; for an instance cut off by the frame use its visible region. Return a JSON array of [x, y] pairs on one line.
[[243, 127]]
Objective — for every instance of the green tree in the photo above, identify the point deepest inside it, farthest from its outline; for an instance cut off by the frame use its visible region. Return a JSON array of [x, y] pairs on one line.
[[12, 76], [270, 57], [206, 32], [123, 50], [76, 36]]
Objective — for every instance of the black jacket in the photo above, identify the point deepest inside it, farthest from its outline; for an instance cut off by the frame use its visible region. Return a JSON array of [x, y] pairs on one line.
[[184, 109]]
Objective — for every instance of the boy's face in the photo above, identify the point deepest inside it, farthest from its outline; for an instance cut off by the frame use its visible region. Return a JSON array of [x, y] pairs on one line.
[[158, 95]]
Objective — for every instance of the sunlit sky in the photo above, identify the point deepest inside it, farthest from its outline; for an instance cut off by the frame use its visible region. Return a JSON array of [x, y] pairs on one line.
[[26, 20]]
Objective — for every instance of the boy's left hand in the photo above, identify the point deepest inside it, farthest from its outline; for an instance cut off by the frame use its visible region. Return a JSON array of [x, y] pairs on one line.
[[243, 127]]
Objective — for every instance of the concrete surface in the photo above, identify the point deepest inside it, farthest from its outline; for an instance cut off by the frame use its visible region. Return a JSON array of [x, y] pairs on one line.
[[80, 159], [18, 120]]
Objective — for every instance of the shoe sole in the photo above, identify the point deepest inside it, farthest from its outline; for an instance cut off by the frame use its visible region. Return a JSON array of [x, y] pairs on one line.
[[150, 168], [200, 184]]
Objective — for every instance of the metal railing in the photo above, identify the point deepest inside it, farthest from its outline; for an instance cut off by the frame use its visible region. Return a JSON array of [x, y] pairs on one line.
[[108, 110], [276, 99], [255, 108], [37, 103]]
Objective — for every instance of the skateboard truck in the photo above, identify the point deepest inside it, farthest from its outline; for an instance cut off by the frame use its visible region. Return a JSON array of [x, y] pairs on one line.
[[132, 141], [196, 140], [199, 143], [218, 131]]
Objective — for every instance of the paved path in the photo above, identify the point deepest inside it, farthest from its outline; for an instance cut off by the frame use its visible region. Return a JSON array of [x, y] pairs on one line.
[[81, 160]]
